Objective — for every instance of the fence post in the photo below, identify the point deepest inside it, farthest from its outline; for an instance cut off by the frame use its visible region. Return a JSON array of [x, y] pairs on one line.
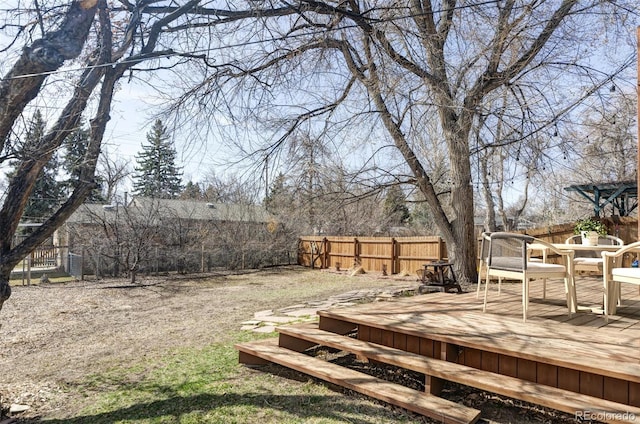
[[325, 253], [314, 250], [356, 252], [394, 256]]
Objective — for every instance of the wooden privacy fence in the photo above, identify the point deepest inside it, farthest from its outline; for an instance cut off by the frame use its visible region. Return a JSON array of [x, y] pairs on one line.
[[400, 254], [390, 254]]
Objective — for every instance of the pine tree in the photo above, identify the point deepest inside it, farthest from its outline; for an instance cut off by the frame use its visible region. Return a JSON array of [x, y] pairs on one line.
[[47, 192], [75, 149], [156, 173]]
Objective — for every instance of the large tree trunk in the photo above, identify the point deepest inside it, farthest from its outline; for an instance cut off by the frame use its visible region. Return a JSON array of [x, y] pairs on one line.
[[461, 242], [461, 248]]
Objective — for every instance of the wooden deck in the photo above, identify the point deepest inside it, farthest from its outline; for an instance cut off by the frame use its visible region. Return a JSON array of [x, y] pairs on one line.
[[570, 364]]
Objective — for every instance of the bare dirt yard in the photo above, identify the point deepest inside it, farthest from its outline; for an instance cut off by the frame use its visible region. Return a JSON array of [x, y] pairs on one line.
[[55, 335]]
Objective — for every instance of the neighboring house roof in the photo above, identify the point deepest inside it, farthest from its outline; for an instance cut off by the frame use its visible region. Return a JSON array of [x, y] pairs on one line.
[[88, 212], [198, 210], [176, 209]]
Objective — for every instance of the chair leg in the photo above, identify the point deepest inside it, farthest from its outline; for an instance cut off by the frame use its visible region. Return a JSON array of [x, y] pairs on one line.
[[544, 288], [605, 303], [479, 280], [486, 291], [616, 290], [572, 278], [525, 299], [570, 292], [618, 294]]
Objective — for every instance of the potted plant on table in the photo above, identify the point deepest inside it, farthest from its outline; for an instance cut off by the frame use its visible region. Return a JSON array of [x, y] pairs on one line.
[[590, 229]]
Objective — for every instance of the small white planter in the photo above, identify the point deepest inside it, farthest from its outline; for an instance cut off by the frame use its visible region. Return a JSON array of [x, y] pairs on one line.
[[589, 238]]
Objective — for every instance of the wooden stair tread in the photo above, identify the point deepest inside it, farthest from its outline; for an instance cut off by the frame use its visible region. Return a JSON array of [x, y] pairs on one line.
[[420, 402], [559, 399], [506, 336]]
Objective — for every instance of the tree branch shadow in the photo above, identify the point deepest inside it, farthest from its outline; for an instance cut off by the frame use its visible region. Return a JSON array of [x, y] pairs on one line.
[[302, 406]]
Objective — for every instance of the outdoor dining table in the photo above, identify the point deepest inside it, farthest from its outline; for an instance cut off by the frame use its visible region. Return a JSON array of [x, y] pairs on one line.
[[576, 247]]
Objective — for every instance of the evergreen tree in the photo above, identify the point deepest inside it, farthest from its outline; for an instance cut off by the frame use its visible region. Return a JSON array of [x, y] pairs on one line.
[[47, 192], [75, 146], [395, 206], [156, 173]]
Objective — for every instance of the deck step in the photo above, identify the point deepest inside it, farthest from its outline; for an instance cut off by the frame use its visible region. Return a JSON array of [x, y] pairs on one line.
[[440, 409], [551, 397]]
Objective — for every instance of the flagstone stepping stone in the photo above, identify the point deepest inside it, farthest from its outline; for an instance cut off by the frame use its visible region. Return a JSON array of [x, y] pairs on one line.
[[302, 312]]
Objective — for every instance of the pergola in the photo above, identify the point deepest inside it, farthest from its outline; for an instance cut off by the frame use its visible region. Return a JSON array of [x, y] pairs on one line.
[[622, 196]]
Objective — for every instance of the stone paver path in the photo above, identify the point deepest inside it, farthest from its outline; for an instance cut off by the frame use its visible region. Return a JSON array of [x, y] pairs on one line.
[[267, 321]]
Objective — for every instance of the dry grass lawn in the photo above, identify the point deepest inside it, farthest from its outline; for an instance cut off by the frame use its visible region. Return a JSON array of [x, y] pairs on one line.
[[162, 351]]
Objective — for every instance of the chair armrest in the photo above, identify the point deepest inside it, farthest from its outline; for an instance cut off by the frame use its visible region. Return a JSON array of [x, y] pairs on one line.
[[550, 247], [623, 249]]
